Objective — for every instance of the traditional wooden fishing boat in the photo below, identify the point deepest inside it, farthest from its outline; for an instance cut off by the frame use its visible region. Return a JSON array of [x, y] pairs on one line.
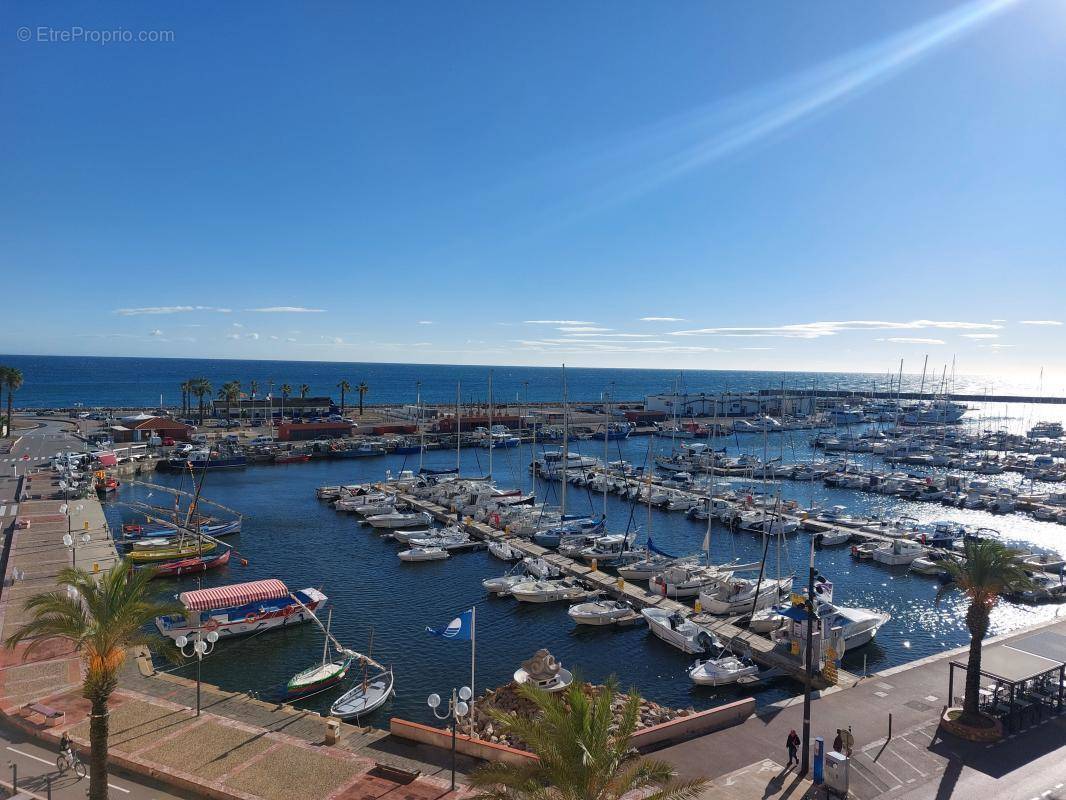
[[190, 566], [322, 676], [147, 551], [366, 696], [241, 608]]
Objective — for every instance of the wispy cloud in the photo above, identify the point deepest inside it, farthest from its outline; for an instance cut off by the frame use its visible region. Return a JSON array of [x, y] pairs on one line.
[[556, 322], [815, 330], [996, 346], [980, 335], [582, 329], [911, 340], [233, 336], [425, 322], [662, 319], [134, 312], [1040, 322], [287, 310], [156, 332]]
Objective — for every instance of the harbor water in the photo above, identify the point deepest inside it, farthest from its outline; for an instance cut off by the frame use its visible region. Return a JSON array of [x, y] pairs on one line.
[[289, 534]]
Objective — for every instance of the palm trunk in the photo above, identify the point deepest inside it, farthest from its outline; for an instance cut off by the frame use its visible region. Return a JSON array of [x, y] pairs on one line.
[[98, 732], [10, 419], [977, 623], [201, 410], [360, 404], [342, 402]]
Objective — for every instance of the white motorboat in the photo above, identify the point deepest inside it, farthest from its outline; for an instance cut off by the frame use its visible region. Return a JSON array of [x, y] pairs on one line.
[[365, 697], [405, 536], [599, 612], [504, 551], [898, 552], [423, 554], [738, 595], [932, 563], [373, 509], [858, 625], [527, 569], [444, 539], [1043, 562], [721, 671], [397, 520], [547, 591], [682, 633], [832, 538], [688, 579], [645, 569]]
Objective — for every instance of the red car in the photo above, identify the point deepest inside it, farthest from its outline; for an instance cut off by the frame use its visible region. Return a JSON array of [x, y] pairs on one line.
[[168, 442]]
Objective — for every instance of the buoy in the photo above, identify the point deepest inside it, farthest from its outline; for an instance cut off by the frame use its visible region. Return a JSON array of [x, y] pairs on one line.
[[698, 606]]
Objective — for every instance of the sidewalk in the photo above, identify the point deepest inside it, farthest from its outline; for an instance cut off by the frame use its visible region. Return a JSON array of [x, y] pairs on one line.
[[914, 756]]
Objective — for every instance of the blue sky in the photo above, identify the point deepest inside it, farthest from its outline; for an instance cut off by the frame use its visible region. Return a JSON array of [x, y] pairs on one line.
[[772, 185]]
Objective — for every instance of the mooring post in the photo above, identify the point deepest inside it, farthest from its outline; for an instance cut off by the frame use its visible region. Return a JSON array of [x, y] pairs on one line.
[[890, 725]]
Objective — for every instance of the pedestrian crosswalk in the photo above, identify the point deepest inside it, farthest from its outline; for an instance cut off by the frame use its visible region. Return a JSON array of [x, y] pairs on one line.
[[20, 458], [5, 510]]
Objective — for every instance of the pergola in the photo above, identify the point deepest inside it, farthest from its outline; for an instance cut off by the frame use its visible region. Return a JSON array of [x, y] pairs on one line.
[[1038, 660]]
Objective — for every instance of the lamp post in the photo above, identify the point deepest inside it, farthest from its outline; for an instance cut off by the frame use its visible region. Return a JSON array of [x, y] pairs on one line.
[[457, 709], [201, 646], [70, 540]]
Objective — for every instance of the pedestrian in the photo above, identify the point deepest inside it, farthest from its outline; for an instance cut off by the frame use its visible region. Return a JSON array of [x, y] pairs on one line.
[[838, 743], [792, 742]]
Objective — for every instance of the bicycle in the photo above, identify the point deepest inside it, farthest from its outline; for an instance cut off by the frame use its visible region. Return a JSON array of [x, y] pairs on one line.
[[69, 758]]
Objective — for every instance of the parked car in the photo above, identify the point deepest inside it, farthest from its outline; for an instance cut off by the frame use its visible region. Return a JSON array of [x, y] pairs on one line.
[[168, 441]]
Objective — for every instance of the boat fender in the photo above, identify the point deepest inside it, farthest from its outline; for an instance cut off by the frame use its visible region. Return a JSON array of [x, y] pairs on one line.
[[250, 618], [211, 624]]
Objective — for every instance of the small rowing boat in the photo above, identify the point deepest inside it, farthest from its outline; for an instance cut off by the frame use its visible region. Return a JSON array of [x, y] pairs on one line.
[[190, 566]]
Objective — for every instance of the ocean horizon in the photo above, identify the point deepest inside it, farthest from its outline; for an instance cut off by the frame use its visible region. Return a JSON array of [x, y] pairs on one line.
[[131, 381]]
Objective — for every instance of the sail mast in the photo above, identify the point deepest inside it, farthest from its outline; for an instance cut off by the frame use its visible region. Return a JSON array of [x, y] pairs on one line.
[[566, 445]]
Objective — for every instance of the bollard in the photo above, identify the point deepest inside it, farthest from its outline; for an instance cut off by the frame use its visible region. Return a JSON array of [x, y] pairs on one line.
[[889, 724], [48, 786], [14, 778]]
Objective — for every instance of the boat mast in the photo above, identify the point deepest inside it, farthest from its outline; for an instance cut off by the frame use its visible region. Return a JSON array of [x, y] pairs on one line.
[[325, 644], [421, 427], [458, 424], [606, 449], [566, 446], [491, 442]]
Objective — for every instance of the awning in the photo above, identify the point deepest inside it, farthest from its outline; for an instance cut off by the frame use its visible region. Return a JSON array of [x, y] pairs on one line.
[[106, 459], [237, 594], [1012, 666]]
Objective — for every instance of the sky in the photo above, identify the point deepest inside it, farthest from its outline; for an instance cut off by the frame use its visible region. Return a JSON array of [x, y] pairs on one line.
[[713, 185]]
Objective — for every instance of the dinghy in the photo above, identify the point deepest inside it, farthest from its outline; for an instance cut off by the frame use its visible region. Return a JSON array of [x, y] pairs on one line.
[[544, 591], [322, 676], [366, 696]]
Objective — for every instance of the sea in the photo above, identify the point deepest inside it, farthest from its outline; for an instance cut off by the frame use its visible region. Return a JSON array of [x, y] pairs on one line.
[[112, 382]]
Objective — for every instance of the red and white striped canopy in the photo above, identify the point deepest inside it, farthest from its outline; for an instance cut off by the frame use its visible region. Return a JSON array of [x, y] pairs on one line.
[[237, 594]]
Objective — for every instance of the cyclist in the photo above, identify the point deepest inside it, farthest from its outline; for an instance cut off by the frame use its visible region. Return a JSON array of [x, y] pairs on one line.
[[65, 746]]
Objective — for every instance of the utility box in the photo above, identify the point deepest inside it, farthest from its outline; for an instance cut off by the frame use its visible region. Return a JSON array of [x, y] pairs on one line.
[[836, 776]]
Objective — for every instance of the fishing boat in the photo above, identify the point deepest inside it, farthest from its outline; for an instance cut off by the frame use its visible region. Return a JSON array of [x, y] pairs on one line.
[[504, 551], [291, 458], [397, 520], [423, 554], [363, 450], [721, 671], [682, 633], [737, 596], [190, 566], [241, 608], [366, 696], [199, 460], [105, 486], [599, 612], [168, 549], [547, 591], [322, 676]]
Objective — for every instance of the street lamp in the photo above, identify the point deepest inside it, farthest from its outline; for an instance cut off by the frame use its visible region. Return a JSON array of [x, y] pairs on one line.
[[70, 540], [201, 645], [457, 709]]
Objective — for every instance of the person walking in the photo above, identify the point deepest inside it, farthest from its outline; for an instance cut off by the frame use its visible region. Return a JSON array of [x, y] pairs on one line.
[[792, 742]]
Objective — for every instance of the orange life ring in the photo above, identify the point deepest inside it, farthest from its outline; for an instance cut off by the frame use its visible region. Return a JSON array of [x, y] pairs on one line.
[[250, 618], [211, 624]]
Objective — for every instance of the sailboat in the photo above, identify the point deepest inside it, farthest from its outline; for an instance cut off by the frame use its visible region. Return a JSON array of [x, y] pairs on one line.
[[321, 676], [369, 694]]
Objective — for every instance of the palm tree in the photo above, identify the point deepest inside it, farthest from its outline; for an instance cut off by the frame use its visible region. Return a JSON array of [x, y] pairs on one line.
[[581, 754], [12, 379], [989, 569], [201, 387], [230, 392], [286, 390], [253, 388], [3, 372], [103, 619], [304, 390], [362, 388], [344, 386], [186, 393]]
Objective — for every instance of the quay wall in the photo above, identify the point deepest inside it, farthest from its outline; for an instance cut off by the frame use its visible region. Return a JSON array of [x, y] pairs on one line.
[[709, 721], [442, 738]]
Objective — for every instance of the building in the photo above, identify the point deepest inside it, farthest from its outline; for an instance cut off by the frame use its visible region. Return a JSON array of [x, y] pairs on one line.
[[307, 431], [262, 408], [141, 427], [469, 423], [729, 405]]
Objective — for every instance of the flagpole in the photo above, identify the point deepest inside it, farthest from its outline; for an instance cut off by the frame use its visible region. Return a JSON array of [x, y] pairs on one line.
[[473, 654]]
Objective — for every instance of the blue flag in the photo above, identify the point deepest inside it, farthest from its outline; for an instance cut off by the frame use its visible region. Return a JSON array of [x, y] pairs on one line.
[[460, 629]]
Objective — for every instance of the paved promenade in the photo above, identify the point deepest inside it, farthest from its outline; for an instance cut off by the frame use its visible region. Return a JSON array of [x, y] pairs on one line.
[[916, 762], [237, 748]]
